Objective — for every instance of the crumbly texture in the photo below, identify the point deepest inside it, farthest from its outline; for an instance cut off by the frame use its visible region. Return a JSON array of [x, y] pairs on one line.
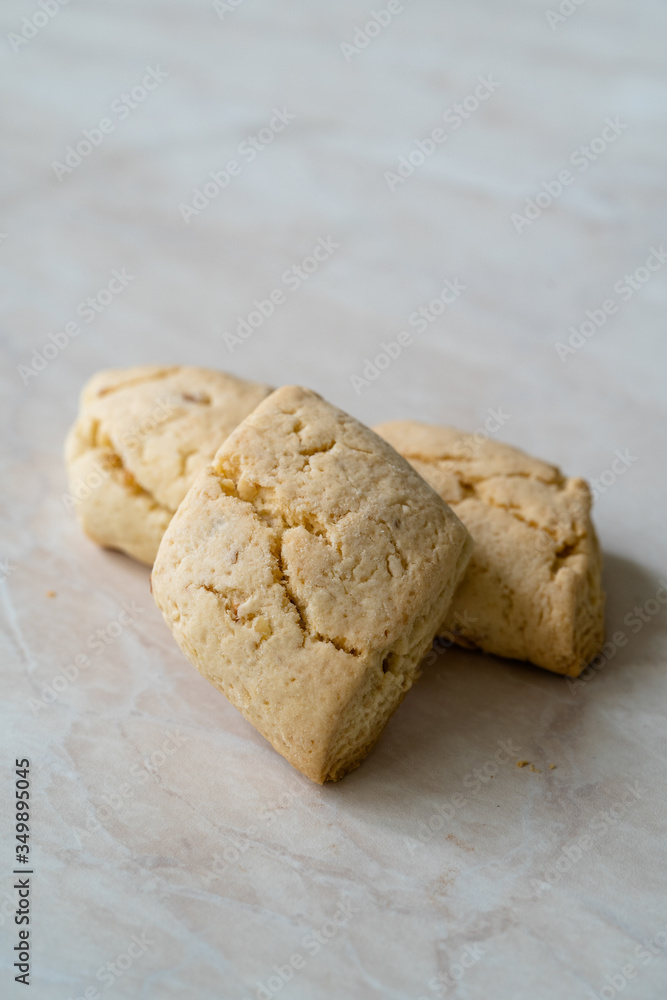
[[533, 588], [141, 438], [305, 575]]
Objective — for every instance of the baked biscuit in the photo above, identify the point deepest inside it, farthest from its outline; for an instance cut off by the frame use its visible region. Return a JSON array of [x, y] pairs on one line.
[[140, 439], [305, 575], [532, 590]]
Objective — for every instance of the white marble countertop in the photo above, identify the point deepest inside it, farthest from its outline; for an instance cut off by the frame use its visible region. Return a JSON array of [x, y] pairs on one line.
[[175, 854]]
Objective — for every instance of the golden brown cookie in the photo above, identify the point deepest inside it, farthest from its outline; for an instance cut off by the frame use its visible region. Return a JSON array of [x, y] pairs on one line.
[[140, 439], [305, 575], [533, 587]]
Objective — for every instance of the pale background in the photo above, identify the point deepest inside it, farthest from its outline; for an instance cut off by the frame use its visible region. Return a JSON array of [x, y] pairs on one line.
[[482, 878]]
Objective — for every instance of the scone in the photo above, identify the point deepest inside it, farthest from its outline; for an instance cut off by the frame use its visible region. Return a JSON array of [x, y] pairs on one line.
[[532, 590], [305, 575], [140, 439]]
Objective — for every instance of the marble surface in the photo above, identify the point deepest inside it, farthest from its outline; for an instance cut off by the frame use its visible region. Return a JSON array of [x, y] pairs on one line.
[[175, 854]]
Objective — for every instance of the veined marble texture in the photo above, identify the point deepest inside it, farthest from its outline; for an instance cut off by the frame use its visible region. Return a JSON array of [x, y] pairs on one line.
[[175, 854]]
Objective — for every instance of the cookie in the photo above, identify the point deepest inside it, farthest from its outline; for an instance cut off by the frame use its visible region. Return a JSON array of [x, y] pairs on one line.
[[305, 575], [533, 587], [140, 439]]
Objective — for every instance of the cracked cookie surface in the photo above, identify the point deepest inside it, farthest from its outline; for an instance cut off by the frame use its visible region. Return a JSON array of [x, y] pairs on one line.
[[305, 575], [533, 588], [141, 437]]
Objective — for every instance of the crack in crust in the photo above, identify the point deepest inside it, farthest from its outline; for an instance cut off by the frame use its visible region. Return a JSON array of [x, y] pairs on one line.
[[138, 380], [98, 438], [233, 484], [284, 581], [101, 441], [264, 534], [469, 486], [556, 477], [558, 622]]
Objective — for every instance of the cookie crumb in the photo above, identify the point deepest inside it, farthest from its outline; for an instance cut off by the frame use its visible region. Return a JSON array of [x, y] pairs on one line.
[[552, 767], [50, 593], [522, 763], [535, 769]]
